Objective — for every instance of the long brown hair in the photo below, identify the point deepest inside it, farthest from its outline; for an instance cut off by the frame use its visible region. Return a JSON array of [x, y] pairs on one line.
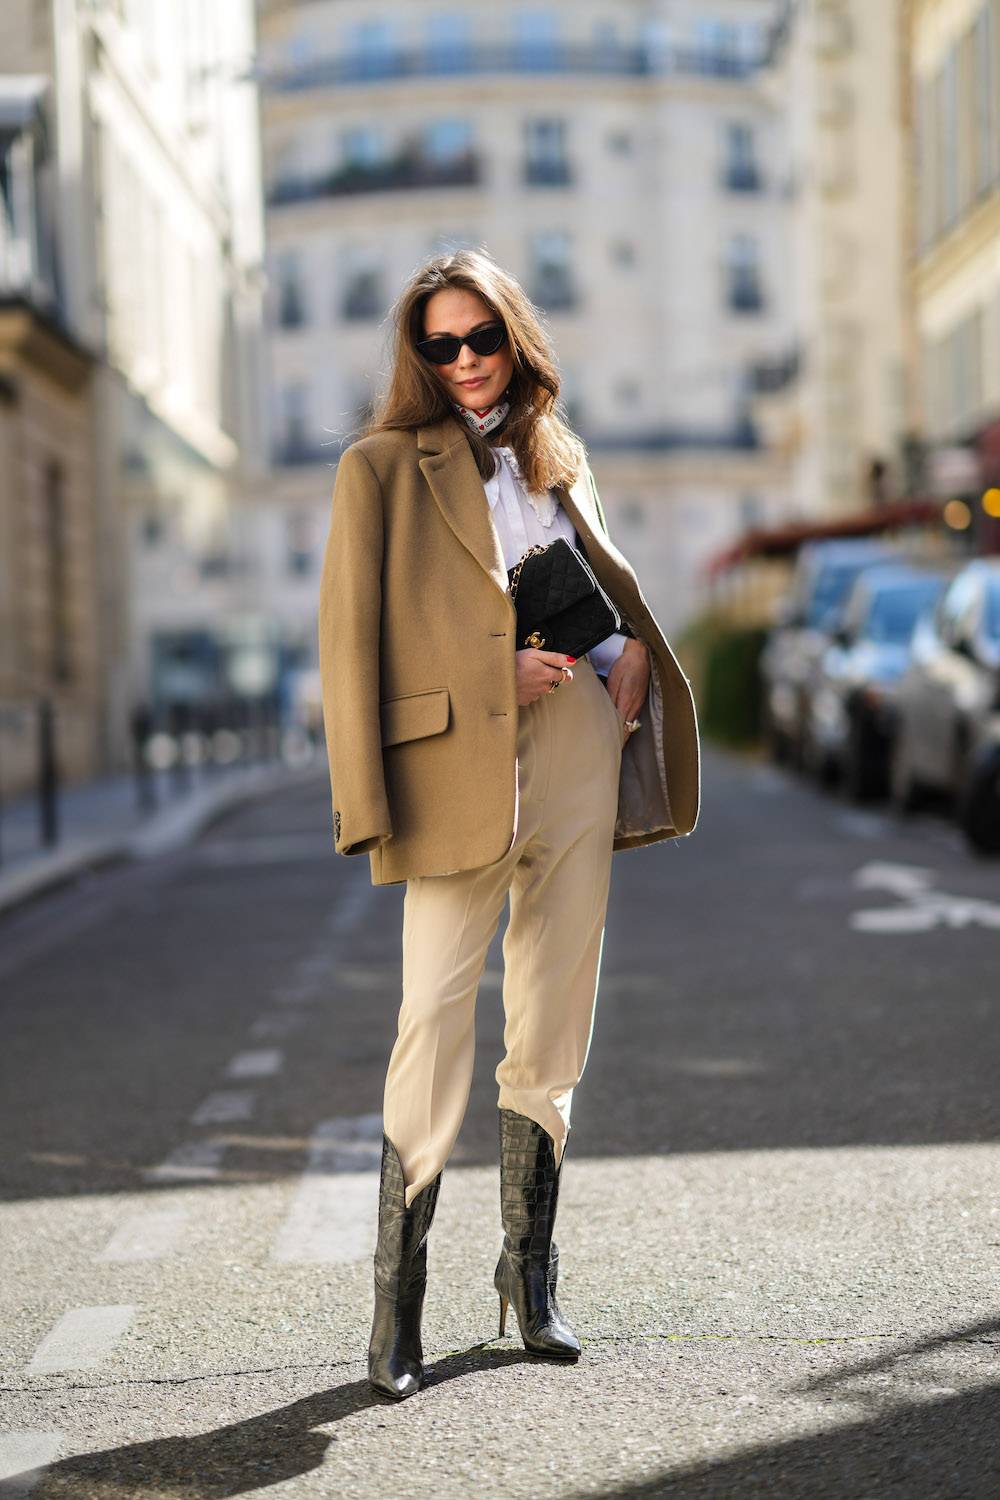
[[548, 452]]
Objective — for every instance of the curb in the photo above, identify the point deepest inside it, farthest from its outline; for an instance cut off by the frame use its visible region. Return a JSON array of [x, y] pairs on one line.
[[166, 830]]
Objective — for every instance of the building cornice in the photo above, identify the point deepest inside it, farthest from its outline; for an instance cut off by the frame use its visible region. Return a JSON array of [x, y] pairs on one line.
[[34, 336], [978, 232]]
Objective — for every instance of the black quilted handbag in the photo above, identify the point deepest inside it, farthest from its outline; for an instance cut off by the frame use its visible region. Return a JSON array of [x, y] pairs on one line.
[[560, 604]]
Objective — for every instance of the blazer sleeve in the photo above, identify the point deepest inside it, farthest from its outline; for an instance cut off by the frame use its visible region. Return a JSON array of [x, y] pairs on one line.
[[350, 611]]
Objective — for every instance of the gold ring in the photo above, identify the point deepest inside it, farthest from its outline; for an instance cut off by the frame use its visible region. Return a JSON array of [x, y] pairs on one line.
[[556, 682], [632, 725]]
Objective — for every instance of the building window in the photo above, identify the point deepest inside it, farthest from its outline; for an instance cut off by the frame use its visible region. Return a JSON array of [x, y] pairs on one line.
[[718, 47], [362, 149], [447, 141], [751, 511], [362, 295], [536, 39], [300, 552], [551, 276], [291, 306], [294, 419], [926, 162], [371, 50], [986, 130], [743, 291], [449, 42], [948, 108], [740, 173], [545, 162]]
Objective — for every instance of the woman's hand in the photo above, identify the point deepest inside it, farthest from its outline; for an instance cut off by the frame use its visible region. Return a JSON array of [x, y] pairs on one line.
[[628, 679], [536, 670]]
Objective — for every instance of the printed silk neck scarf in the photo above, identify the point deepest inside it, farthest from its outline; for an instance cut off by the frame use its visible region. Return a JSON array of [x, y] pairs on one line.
[[486, 418]]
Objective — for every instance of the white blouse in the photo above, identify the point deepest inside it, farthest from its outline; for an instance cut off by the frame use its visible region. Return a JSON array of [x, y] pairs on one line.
[[523, 518]]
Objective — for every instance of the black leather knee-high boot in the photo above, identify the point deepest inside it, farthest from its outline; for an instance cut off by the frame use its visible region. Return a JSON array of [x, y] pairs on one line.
[[528, 1266], [395, 1353]]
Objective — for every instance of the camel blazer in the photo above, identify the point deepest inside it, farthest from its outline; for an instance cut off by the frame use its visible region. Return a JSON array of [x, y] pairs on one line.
[[417, 665]]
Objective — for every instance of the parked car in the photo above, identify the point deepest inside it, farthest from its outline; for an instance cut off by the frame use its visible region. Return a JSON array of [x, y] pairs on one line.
[[948, 728], [824, 571], [852, 715]]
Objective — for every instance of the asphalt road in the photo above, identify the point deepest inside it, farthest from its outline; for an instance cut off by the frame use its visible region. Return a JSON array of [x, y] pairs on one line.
[[780, 1215]]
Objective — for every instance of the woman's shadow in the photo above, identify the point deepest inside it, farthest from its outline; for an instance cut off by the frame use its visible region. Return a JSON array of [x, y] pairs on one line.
[[244, 1456]]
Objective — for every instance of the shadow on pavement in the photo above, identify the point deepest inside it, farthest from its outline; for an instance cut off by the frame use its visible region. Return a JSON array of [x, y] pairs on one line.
[[244, 1457], [915, 1451], [930, 1451], [923, 1450]]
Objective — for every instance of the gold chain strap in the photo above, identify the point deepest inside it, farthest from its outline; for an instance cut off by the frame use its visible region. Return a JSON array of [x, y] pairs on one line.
[[515, 580]]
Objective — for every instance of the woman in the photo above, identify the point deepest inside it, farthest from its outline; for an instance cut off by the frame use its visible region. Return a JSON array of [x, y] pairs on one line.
[[472, 767]]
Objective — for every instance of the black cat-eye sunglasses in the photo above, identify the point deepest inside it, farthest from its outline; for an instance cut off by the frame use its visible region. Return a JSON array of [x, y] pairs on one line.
[[444, 348]]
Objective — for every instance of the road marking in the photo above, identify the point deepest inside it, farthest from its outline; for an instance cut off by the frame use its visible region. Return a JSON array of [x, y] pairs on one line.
[[195, 1161], [315, 965], [295, 994], [369, 978], [350, 910], [925, 908], [81, 1339], [263, 1063], [146, 1236], [334, 1214], [224, 1108], [861, 825], [23, 1457], [274, 1026]]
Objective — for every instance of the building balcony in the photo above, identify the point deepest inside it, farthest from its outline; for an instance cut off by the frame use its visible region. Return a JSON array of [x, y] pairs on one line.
[[745, 296], [621, 62], [295, 452], [741, 437], [554, 294], [742, 179], [767, 376], [398, 174], [553, 173]]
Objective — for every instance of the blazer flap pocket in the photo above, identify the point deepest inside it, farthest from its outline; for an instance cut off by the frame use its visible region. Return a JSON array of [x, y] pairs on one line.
[[413, 715]]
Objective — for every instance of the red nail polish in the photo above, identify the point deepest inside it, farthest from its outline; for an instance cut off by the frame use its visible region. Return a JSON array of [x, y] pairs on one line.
[[571, 658]]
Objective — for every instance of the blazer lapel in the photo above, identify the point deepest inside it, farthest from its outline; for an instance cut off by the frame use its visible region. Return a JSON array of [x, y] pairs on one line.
[[602, 554], [457, 486]]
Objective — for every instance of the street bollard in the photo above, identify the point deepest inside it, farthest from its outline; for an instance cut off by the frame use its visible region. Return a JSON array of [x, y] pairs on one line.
[[145, 784], [48, 774]]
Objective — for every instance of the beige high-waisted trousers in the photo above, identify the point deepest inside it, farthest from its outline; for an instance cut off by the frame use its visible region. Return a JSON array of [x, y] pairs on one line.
[[558, 872]]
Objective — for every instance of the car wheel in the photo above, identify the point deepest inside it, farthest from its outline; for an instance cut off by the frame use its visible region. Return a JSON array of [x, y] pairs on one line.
[[864, 769], [904, 790], [978, 803], [776, 742]]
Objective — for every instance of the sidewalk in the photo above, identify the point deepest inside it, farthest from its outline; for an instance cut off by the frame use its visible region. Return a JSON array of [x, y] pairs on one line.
[[101, 822]]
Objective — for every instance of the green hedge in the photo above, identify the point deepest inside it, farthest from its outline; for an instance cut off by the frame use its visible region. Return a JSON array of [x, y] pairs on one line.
[[724, 665]]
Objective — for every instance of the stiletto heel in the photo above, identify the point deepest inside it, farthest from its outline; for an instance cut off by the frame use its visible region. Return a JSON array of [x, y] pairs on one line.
[[504, 1304]]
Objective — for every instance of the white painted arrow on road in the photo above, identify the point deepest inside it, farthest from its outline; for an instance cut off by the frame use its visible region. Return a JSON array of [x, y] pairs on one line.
[[925, 908]]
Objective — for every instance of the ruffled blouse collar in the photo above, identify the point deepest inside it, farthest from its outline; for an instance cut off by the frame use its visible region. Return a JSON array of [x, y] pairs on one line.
[[543, 502]]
